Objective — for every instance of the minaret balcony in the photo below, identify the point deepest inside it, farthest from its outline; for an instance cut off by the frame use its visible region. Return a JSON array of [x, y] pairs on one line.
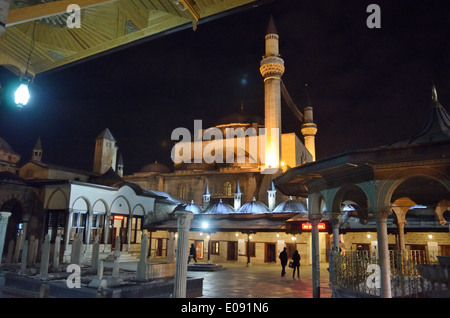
[[272, 66]]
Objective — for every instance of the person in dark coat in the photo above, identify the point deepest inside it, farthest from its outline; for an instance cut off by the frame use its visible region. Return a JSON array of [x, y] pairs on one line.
[[192, 252], [283, 259], [296, 263]]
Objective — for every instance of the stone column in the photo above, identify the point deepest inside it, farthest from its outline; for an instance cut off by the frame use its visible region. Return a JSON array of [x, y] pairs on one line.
[[315, 256], [184, 224], [335, 223], [383, 254], [67, 253], [4, 216]]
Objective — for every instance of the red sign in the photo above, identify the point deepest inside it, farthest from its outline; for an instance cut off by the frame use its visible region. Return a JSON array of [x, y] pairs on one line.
[[308, 226], [118, 217]]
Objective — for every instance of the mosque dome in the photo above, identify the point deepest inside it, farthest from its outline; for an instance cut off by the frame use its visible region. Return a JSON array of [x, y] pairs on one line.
[[155, 167], [191, 207], [240, 117], [219, 208], [254, 207], [291, 205]]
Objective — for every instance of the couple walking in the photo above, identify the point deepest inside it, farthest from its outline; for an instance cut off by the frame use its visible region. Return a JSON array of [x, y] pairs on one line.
[[295, 263]]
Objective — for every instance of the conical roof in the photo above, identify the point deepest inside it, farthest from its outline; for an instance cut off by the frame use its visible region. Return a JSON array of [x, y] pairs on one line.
[[106, 134], [435, 129]]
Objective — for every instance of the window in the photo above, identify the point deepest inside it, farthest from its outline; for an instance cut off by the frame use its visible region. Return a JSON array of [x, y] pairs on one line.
[[78, 223], [181, 190], [252, 249], [227, 188], [56, 221], [136, 230], [159, 247], [215, 247], [98, 220]]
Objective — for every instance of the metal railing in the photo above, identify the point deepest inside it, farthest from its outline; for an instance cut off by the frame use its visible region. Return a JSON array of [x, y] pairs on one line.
[[411, 275]]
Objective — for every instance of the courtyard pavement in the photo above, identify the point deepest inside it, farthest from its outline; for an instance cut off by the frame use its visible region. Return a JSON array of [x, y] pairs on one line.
[[261, 281]]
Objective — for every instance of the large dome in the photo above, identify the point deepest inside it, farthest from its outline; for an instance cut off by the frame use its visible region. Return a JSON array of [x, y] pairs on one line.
[[156, 167], [240, 117]]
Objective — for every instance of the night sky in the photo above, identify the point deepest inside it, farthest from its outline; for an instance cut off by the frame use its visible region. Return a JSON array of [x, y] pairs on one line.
[[368, 87]]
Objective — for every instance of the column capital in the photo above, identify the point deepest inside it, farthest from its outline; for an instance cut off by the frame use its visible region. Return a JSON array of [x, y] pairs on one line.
[[382, 215], [315, 219], [4, 216], [184, 219]]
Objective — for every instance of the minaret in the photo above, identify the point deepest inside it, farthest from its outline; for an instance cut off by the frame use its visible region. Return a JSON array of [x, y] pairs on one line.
[[120, 166], [309, 129], [105, 152], [206, 197], [271, 196], [37, 151], [272, 68], [237, 197]]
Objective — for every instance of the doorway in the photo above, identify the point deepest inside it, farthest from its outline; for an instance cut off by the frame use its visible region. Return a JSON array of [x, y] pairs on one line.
[[270, 255], [119, 228], [232, 248]]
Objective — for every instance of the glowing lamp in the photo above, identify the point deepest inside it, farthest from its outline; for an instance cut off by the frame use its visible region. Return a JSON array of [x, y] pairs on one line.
[[118, 217], [22, 94], [308, 226], [205, 225]]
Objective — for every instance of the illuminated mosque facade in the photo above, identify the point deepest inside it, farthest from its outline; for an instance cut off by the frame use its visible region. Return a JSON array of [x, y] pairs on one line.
[[244, 211]]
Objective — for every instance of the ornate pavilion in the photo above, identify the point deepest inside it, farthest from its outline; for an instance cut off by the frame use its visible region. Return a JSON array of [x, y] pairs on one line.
[[402, 186]]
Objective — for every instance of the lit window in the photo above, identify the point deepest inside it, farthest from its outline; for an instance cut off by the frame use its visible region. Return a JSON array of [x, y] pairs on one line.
[[227, 188], [181, 189]]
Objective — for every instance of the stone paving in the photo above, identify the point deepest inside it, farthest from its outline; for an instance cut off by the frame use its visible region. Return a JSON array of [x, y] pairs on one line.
[[261, 281]]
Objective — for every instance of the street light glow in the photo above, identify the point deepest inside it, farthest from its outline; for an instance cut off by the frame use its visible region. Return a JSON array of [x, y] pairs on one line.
[[22, 95]]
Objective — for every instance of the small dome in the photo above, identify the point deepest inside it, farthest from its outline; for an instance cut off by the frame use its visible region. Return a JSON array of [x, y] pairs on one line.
[[219, 208], [191, 207], [291, 206], [254, 207], [155, 167]]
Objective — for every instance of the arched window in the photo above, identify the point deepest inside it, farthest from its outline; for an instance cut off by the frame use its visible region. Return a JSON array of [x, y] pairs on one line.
[[227, 188], [181, 190]]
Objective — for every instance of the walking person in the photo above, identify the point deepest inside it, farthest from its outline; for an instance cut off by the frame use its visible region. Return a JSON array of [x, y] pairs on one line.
[[192, 252], [283, 259], [296, 264]]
